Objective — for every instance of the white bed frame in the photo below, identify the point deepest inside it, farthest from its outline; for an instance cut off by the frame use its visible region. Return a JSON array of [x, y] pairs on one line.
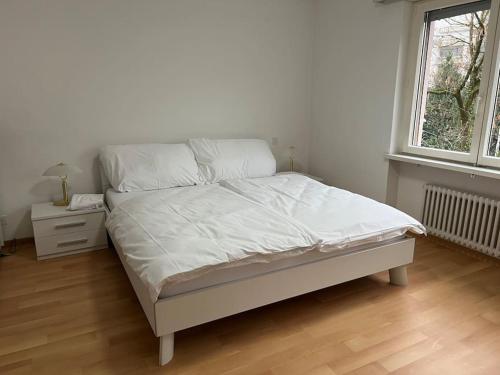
[[168, 315]]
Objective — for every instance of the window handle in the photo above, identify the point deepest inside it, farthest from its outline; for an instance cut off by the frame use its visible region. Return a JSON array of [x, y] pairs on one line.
[[478, 100]]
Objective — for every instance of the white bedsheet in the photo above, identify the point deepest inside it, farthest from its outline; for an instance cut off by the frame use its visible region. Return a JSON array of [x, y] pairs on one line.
[[174, 235], [228, 274], [338, 217]]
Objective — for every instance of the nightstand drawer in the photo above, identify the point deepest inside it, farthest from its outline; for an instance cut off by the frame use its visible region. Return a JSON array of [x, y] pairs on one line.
[[69, 242], [68, 224]]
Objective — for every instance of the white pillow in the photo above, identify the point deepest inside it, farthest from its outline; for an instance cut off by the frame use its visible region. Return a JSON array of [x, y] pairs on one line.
[[225, 159], [149, 166]]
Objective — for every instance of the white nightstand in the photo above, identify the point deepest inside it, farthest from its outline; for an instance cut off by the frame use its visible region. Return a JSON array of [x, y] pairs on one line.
[[59, 232], [319, 179]]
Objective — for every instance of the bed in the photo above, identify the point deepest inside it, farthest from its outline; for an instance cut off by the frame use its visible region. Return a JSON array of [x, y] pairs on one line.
[[206, 251]]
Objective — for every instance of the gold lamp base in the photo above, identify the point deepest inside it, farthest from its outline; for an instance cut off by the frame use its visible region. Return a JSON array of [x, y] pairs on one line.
[[65, 200], [62, 202]]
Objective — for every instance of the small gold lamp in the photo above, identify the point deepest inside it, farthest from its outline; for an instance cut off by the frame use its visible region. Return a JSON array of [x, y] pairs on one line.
[[291, 156], [62, 170]]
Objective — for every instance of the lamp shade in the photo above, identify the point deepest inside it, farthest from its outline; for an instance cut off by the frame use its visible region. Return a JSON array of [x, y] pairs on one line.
[[62, 170]]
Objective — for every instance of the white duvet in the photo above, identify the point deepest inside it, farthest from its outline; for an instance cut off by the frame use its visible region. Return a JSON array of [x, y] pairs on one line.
[[338, 217], [177, 234]]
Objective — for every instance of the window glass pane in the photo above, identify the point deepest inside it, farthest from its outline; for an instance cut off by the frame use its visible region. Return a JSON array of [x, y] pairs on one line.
[[451, 70], [494, 140]]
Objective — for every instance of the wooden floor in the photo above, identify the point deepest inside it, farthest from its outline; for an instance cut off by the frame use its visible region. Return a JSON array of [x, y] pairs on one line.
[[79, 315]]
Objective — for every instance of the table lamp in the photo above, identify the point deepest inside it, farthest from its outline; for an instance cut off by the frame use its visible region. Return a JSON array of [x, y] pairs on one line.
[[291, 156], [62, 170]]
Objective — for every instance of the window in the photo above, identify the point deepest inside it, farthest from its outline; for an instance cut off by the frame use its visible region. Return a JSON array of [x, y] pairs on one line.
[[455, 109], [494, 138]]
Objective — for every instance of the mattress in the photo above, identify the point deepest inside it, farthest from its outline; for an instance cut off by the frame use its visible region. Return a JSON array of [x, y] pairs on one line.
[[224, 275], [187, 238]]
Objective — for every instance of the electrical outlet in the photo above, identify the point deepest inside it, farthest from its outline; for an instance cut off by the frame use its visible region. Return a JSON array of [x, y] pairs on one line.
[[274, 141]]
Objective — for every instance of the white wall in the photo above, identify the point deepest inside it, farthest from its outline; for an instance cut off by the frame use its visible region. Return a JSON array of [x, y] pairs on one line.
[[359, 60], [76, 75], [356, 58]]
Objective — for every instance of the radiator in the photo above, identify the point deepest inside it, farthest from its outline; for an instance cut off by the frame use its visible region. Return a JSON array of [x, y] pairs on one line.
[[467, 219]]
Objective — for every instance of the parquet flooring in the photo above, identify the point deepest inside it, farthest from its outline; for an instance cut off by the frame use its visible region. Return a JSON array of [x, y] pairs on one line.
[[79, 315]]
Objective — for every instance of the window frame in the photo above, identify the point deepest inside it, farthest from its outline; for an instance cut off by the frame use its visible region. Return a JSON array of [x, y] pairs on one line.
[[494, 82], [485, 102]]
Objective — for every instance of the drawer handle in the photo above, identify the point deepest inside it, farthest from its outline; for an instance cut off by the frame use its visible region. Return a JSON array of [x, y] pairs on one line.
[[69, 225], [72, 242]]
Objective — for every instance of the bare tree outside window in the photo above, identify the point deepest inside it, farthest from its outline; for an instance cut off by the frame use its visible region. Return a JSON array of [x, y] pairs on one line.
[[450, 86]]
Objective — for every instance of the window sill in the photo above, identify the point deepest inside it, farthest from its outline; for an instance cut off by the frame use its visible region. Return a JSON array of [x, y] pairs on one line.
[[448, 165]]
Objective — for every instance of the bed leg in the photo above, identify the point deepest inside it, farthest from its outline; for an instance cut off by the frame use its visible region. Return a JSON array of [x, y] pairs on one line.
[[398, 276], [166, 348]]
